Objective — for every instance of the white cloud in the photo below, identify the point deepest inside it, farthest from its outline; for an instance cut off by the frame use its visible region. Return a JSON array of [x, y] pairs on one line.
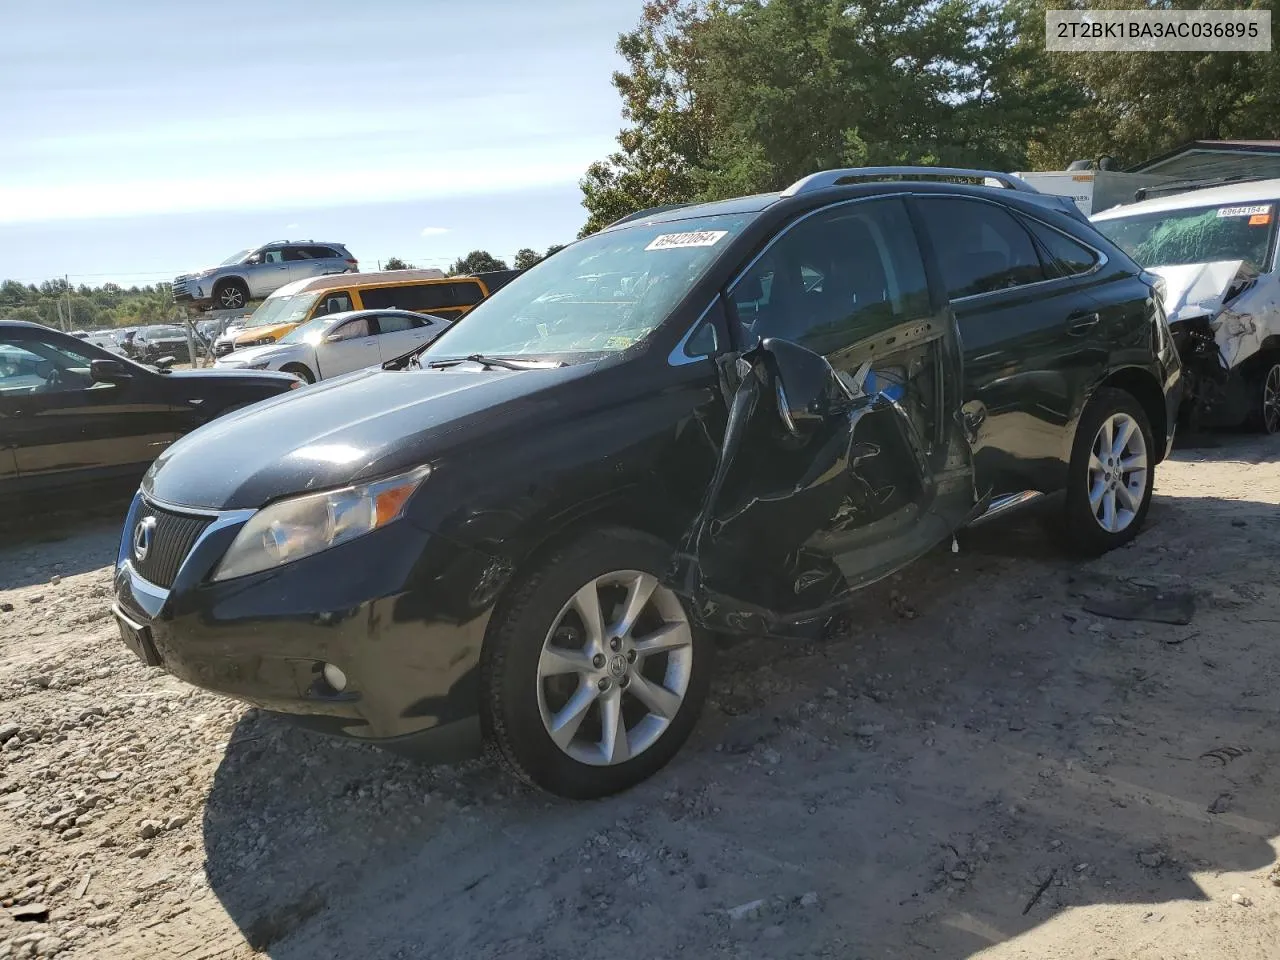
[[434, 231], [291, 226]]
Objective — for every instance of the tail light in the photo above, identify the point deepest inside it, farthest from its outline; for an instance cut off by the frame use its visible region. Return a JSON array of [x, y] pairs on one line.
[[352, 262]]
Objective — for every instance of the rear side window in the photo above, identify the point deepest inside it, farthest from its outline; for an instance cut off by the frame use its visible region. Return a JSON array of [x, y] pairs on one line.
[[980, 247], [1064, 257], [422, 296], [297, 253], [394, 323], [322, 253]]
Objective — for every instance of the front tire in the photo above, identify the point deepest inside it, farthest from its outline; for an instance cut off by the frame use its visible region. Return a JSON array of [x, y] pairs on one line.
[[1111, 474], [1264, 413], [230, 295], [300, 371], [593, 675]]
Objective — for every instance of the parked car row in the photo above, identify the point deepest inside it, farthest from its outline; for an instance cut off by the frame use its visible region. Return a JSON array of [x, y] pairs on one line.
[[716, 418]]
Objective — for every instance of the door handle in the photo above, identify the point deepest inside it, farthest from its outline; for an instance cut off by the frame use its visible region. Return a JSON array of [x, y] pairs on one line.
[[1081, 323]]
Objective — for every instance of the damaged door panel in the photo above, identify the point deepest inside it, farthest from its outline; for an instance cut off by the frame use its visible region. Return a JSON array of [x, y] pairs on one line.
[[843, 456]]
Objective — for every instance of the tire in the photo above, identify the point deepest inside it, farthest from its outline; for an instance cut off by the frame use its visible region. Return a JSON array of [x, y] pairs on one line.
[[299, 370], [527, 691], [1264, 407], [1083, 520], [230, 295]]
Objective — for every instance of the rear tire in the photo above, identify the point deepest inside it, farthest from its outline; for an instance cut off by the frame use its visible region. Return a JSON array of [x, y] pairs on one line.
[[230, 295], [301, 371], [622, 692], [1264, 407], [1111, 475]]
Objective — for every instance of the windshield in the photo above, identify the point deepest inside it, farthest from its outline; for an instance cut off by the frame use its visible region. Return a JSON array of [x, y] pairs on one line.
[[234, 258], [163, 333], [311, 331], [275, 310], [1196, 235], [598, 296]]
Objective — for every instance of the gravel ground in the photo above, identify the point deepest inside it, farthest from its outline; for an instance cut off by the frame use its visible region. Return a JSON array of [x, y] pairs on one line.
[[982, 768]]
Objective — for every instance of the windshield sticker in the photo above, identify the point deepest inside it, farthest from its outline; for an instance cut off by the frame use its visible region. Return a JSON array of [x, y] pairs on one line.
[[696, 238], [1244, 211], [1259, 219]]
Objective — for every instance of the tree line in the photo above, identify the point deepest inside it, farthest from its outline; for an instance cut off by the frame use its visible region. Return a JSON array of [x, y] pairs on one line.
[[723, 98], [482, 261]]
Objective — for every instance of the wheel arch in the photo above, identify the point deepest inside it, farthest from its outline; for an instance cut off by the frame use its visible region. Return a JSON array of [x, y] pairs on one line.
[[1143, 386]]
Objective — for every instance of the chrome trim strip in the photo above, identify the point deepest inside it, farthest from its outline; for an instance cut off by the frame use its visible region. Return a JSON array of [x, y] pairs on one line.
[[221, 519], [1006, 503]]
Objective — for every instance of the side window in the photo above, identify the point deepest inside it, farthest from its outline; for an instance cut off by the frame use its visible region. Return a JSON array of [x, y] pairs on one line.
[[465, 294], [353, 329], [380, 298], [273, 256], [339, 301], [37, 366], [837, 277], [980, 247], [321, 253], [395, 323], [298, 253], [1064, 257]]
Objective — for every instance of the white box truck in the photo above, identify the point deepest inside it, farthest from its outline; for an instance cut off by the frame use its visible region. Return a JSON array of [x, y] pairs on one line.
[[1093, 190]]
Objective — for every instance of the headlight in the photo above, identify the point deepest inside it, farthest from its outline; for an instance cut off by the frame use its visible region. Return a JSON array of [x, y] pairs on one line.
[[258, 365], [301, 526]]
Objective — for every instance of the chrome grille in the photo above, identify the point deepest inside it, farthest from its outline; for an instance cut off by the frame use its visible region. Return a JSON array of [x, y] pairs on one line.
[[174, 536]]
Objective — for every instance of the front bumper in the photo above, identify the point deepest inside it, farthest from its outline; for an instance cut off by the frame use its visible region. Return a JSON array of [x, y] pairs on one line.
[[401, 612]]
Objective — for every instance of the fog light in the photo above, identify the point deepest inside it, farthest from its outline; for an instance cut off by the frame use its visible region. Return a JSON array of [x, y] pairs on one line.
[[335, 677]]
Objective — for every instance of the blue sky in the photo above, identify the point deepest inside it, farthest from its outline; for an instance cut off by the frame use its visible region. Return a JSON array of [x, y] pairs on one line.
[[144, 138]]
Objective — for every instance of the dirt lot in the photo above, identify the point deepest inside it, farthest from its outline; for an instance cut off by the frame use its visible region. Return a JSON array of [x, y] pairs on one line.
[[984, 768]]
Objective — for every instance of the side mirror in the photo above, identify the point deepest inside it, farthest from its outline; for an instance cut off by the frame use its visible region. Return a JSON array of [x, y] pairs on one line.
[[804, 384], [108, 371]]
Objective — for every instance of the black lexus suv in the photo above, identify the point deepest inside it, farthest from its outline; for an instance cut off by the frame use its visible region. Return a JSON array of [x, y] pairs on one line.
[[708, 419]]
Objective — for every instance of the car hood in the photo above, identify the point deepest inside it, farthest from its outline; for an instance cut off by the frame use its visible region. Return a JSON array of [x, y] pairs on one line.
[[275, 331], [366, 424], [264, 352], [1194, 290], [224, 375]]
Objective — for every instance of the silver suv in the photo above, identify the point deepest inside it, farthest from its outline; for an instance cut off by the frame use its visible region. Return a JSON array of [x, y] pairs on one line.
[[254, 274]]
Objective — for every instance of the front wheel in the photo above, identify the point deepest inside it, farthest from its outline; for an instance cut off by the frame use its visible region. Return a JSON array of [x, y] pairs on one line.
[[300, 371], [1111, 474], [593, 674], [231, 295], [1265, 415]]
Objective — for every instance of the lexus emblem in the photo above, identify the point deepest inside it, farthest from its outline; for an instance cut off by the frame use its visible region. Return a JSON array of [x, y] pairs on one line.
[[143, 534]]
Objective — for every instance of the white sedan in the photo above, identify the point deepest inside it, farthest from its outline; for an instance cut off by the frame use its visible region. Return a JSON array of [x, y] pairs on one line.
[[338, 343]]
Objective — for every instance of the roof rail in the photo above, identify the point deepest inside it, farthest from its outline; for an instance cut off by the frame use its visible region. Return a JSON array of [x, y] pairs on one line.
[[830, 178], [648, 211]]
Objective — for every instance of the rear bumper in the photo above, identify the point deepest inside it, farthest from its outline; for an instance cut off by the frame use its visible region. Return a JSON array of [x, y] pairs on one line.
[[396, 611]]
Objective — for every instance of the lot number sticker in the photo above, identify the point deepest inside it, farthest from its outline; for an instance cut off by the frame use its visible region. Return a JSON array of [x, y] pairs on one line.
[[1244, 211], [697, 238]]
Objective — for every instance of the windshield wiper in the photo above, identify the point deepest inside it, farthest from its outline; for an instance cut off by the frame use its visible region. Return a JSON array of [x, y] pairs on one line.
[[488, 362]]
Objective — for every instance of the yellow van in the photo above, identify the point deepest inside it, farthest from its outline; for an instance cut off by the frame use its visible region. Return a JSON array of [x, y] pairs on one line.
[[424, 291]]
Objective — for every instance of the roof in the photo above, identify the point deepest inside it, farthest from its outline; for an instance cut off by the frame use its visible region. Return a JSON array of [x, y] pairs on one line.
[[1207, 159], [332, 281], [1253, 191]]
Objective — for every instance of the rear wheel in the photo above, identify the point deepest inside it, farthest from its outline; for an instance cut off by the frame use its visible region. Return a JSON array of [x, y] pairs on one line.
[[230, 295], [594, 675], [1111, 474], [1264, 414], [301, 371]]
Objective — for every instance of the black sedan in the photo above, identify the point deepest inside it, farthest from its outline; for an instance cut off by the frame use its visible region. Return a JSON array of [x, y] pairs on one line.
[[73, 413]]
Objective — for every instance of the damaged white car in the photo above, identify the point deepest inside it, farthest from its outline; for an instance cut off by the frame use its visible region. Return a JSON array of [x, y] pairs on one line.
[[1215, 252]]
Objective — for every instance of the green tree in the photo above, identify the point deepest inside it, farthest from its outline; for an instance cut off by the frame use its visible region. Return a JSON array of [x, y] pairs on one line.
[[477, 261], [526, 257], [1133, 106], [726, 97], [554, 248], [395, 263]]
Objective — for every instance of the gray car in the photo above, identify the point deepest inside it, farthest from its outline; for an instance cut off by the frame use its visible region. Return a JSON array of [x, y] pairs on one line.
[[254, 274]]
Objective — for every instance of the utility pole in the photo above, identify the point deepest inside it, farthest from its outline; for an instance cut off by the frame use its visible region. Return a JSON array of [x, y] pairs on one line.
[[66, 279]]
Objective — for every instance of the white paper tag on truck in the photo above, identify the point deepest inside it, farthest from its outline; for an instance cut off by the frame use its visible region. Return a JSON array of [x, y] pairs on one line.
[[696, 238], [1244, 211]]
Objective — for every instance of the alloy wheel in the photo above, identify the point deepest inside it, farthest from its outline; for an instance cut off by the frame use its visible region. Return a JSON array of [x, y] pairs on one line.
[[232, 298], [614, 668], [1117, 472], [1271, 400]]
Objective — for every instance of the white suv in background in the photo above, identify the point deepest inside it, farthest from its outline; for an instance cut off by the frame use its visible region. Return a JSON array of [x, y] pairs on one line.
[[254, 274]]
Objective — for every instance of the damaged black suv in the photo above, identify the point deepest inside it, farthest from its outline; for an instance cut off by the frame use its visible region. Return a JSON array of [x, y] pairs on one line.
[[705, 419]]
